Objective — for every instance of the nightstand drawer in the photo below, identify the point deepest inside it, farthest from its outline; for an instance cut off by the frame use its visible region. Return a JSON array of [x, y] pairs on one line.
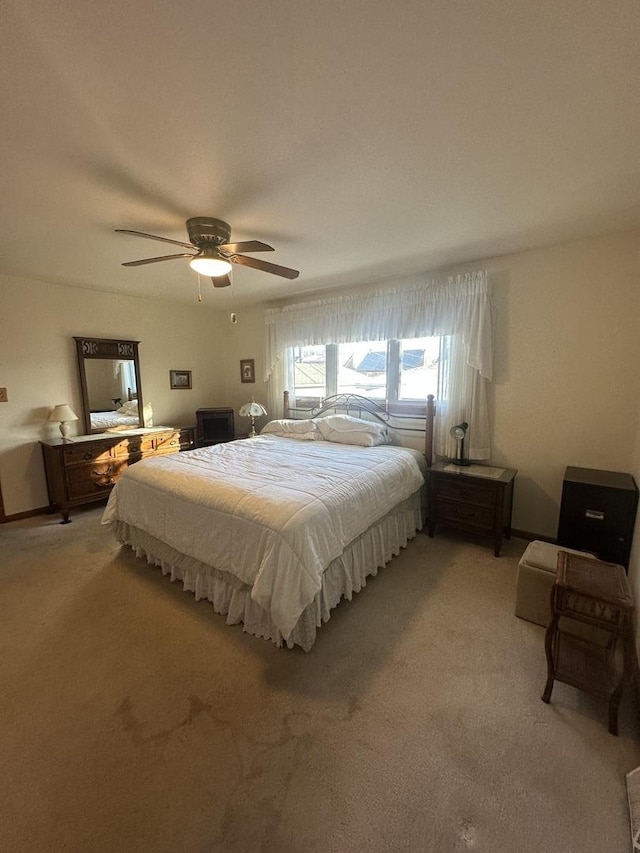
[[480, 518], [465, 493]]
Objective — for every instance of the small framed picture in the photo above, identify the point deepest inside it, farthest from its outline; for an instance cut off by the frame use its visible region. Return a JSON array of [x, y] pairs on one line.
[[180, 378], [247, 370]]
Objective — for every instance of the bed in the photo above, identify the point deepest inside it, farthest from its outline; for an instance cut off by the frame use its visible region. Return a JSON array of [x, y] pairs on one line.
[[126, 416], [275, 530], [107, 420]]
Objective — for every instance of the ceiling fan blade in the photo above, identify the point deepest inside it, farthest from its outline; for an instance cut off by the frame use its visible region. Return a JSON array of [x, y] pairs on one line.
[[221, 281], [265, 266], [247, 246], [154, 260], [153, 237]]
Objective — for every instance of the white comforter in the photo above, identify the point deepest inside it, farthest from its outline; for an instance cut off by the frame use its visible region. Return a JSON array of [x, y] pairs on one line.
[[104, 420], [272, 511]]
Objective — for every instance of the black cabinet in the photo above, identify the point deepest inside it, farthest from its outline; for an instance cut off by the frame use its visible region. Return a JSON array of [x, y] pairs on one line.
[[597, 513], [214, 426]]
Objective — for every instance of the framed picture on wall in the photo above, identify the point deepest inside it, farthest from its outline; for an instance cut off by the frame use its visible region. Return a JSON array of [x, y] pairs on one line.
[[180, 379], [247, 370]]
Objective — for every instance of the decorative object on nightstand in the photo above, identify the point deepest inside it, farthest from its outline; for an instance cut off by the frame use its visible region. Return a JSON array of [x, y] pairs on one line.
[[592, 615], [63, 414], [252, 410], [458, 432], [474, 498], [598, 512]]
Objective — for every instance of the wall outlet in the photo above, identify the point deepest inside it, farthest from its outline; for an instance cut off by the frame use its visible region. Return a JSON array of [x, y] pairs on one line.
[[3, 395]]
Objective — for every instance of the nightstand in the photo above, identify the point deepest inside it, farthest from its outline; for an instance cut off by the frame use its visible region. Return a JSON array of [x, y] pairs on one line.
[[474, 498]]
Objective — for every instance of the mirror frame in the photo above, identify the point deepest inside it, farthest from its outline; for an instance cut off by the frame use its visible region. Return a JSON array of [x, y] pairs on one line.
[[106, 348]]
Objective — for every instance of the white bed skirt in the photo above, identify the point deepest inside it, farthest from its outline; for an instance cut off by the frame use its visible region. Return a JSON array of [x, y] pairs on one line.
[[232, 598]]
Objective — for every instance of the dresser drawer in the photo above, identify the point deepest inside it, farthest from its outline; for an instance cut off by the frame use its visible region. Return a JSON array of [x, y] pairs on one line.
[[86, 452], [128, 447], [167, 443], [467, 493], [467, 515], [146, 445], [86, 470], [187, 438], [96, 478]]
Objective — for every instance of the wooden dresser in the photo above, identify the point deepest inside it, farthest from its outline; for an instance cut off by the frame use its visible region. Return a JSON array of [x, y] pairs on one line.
[[468, 499], [85, 468]]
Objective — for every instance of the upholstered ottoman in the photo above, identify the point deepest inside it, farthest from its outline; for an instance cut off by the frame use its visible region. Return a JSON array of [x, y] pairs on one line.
[[536, 574]]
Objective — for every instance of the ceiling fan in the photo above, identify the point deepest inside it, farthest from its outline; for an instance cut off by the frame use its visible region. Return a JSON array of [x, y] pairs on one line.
[[214, 253]]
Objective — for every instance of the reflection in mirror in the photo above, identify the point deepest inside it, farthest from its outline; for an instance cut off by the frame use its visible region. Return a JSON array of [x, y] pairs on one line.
[[111, 385], [110, 382]]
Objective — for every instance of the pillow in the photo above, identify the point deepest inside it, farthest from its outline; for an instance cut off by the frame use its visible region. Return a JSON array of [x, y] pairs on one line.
[[344, 429], [130, 409], [303, 430]]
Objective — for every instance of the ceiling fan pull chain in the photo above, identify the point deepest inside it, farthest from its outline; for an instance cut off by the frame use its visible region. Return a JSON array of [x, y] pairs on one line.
[[199, 290]]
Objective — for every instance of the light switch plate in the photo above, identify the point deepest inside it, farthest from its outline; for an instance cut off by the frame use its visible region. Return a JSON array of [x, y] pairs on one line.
[[4, 398]]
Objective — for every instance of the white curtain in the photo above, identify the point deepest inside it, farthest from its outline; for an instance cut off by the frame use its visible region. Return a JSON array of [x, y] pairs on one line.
[[125, 372], [458, 310]]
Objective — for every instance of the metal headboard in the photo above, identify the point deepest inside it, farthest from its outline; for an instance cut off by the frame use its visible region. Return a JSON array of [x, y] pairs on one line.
[[355, 405]]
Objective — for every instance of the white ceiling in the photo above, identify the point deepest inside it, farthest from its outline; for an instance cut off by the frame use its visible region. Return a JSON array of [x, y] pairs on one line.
[[358, 137]]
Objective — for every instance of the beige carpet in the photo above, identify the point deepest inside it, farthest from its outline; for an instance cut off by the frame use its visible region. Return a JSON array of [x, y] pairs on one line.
[[134, 719]]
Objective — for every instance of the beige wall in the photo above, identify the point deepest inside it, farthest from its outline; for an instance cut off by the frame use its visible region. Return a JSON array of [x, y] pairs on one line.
[[566, 390], [567, 349], [38, 366]]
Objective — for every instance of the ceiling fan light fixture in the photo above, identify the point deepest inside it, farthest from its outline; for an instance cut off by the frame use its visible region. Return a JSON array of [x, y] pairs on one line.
[[207, 264], [215, 254]]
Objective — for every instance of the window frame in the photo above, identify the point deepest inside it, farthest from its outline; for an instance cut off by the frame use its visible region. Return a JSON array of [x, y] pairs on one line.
[[392, 403]]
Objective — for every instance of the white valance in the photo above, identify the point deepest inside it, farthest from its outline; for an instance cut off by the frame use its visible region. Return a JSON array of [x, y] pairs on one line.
[[458, 306]]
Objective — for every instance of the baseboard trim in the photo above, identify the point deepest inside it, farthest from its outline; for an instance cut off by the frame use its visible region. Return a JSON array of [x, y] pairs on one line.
[[17, 516], [530, 537]]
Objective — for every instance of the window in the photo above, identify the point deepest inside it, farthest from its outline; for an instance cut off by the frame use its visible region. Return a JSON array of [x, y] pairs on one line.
[[399, 372]]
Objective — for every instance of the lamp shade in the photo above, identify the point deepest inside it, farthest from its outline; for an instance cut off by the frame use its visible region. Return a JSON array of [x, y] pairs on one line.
[[459, 432], [252, 410], [62, 413]]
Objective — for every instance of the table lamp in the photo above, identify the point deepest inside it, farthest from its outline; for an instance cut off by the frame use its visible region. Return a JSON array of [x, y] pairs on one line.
[[63, 414], [252, 410], [459, 432]]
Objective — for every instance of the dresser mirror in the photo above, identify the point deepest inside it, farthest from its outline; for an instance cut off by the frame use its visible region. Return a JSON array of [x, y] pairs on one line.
[[110, 384]]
